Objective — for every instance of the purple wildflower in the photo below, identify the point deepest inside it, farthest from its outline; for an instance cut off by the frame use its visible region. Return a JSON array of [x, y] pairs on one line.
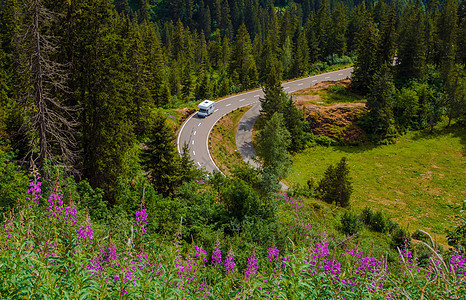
[[406, 258], [216, 257], [141, 219], [230, 265], [272, 254], [35, 187], [85, 231], [71, 214], [200, 253], [252, 266], [458, 265]]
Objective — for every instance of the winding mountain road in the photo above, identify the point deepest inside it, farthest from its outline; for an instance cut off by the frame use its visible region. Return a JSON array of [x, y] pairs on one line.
[[195, 131]]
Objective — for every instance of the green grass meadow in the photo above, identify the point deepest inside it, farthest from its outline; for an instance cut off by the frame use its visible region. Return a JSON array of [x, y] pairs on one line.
[[222, 141], [419, 181]]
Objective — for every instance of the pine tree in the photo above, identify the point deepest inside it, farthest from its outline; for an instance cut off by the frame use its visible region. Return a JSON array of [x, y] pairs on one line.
[[455, 96], [364, 67], [44, 82], [387, 38], [274, 95], [204, 87], [272, 144], [324, 29], [161, 158], [313, 43], [122, 6], [358, 20], [461, 49], [336, 185], [226, 25], [242, 60], [412, 48], [447, 36], [380, 104], [102, 80], [339, 27], [301, 56], [287, 55], [294, 123]]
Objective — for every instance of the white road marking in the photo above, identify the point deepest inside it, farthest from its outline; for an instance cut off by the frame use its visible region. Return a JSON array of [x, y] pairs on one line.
[[300, 84], [195, 132], [340, 74], [257, 96], [242, 100], [199, 125], [227, 104], [193, 142], [199, 164], [217, 109], [314, 80], [286, 88], [327, 77], [194, 152]]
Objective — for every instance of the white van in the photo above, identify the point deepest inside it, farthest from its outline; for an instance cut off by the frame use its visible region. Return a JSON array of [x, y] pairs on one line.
[[206, 108]]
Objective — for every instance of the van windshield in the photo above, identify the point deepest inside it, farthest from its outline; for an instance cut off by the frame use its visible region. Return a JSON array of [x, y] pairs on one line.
[[203, 110]]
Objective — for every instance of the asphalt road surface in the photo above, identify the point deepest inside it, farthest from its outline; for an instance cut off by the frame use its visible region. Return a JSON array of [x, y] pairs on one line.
[[195, 131]]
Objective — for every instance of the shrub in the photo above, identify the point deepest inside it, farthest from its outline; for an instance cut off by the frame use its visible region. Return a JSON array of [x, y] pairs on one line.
[[336, 186], [325, 141], [338, 89], [350, 223]]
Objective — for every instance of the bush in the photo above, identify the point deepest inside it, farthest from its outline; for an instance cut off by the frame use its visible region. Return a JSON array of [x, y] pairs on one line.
[[12, 182], [325, 141], [376, 221], [400, 237], [338, 89], [336, 186], [335, 59], [350, 223]]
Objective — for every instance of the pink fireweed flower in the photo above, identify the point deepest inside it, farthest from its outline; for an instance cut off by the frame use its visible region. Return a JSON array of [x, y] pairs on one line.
[[406, 258], [200, 253], [71, 215], [141, 219], [216, 257], [272, 254], [85, 231], [111, 256], [230, 265], [252, 266], [34, 187], [458, 265], [9, 226]]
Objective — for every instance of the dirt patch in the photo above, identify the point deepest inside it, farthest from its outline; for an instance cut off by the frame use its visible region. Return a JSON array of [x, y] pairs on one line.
[[336, 121], [325, 91], [186, 113]]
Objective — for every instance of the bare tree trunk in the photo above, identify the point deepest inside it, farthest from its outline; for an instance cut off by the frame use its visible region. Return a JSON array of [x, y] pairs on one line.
[[38, 83], [45, 85]]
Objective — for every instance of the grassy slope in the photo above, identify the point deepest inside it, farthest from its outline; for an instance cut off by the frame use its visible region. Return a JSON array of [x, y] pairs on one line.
[[419, 182], [222, 141]]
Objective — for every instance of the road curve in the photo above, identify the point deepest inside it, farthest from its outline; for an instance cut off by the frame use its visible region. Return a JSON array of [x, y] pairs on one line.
[[195, 131]]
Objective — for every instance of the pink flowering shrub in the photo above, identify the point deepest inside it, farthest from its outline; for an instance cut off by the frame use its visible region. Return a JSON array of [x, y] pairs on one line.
[[52, 250]]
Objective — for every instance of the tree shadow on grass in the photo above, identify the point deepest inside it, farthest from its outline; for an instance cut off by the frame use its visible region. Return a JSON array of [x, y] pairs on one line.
[[356, 148], [456, 130]]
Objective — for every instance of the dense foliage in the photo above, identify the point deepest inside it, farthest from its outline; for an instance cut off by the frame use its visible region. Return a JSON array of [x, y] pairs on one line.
[[81, 79], [85, 87], [59, 253]]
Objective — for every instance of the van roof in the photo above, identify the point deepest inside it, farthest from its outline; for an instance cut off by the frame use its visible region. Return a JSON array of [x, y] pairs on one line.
[[205, 104]]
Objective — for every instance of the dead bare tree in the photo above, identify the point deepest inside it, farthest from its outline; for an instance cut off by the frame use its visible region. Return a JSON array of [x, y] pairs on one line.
[[45, 86]]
